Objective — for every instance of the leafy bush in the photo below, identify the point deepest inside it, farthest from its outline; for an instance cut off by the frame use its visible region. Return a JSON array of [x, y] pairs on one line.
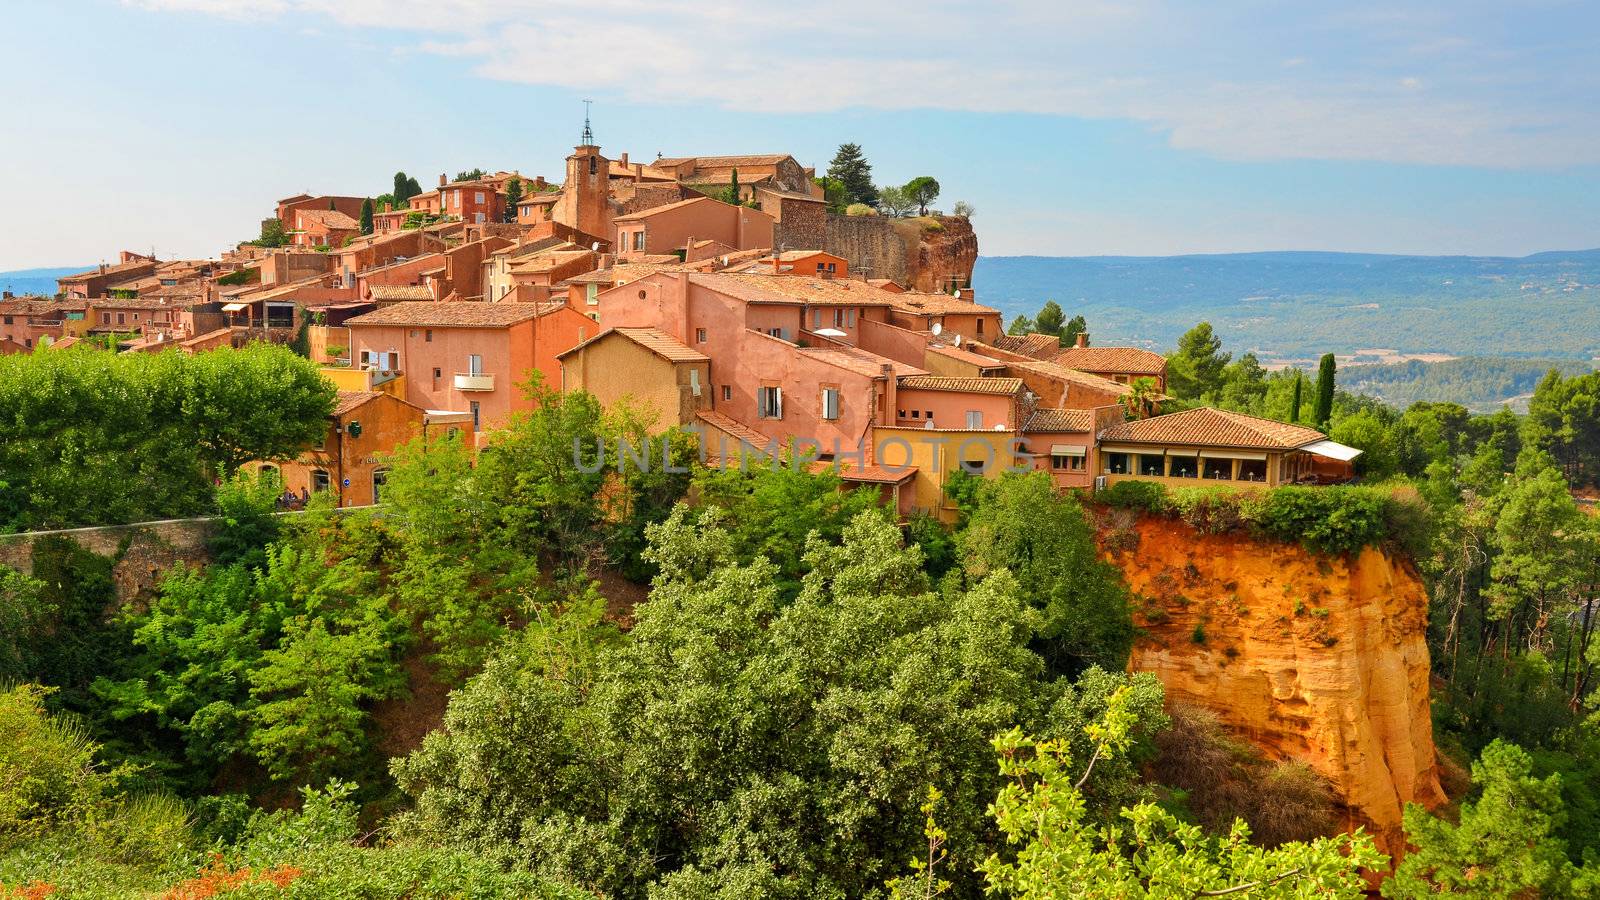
[[1146, 496], [1324, 519], [860, 209]]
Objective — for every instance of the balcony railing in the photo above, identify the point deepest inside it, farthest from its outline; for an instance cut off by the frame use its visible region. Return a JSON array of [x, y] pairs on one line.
[[465, 382]]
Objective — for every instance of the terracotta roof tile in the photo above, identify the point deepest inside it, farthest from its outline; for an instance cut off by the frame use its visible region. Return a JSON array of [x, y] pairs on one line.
[[1060, 420], [1131, 360], [733, 428], [963, 385], [918, 303], [349, 400], [646, 213], [769, 288], [861, 362], [400, 292], [663, 344], [1208, 427], [723, 162], [966, 356], [330, 218], [460, 314], [1038, 346], [1056, 370]]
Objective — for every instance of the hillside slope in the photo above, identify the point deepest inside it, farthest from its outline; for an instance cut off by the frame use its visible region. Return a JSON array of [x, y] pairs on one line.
[[1316, 658]]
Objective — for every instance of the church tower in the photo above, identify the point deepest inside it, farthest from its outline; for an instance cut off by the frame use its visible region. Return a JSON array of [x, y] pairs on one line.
[[585, 195]]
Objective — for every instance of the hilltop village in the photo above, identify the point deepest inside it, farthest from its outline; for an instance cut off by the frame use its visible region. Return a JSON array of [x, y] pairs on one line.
[[721, 293]]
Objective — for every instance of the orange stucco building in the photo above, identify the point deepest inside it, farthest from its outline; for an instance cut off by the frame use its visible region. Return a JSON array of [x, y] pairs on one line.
[[672, 228], [468, 356]]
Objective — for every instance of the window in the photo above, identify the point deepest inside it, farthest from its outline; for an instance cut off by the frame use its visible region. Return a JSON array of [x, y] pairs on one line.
[[589, 293], [699, 335], [8, 320], [477, 197], [436, 373], [476, 422], [816, 318], [929, 414], [900, 413], [1184, 466], [694, 382], [378, 479], [974, 418], [1217, 469], [838, 318], [1066, 458], [474, 364], [727, 392], [121, 318], [427, 336], [455, 199], [319, 480], [915, 413], [638, 240], [771, 401], [850, 317], [1153, 464], [980, 326], [478, 217], [830, 403], [105, 318], [594, 164], [1252, 470]]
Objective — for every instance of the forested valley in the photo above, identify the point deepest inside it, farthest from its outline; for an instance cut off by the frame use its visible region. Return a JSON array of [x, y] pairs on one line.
[[528, 674]]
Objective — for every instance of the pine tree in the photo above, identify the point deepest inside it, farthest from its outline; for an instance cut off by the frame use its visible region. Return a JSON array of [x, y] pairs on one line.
[[1294, 404], [1075, 327], [1323, 411], [851, 168], [366, 216], [1049, 319]]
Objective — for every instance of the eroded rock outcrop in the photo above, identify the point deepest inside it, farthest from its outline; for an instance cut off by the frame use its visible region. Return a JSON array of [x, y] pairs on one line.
[[1317, 658]]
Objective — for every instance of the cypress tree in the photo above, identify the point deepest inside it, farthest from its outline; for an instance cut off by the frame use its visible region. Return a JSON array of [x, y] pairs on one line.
[[366, 216], [513, 197], [1325, 375], [733, 188], [1294, 404]]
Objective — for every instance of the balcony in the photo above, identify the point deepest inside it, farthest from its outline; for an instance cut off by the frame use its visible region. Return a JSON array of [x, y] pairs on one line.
[[474, 382]]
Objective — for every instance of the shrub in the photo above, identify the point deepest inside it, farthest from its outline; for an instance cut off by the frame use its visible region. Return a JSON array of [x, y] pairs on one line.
[[1210, 510], [1324, 519], [1147, 496], [859, 209]]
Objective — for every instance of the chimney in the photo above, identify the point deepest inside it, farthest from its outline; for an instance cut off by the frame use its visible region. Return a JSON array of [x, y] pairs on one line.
[[102, 268], [776, 264], [624, 159], [607, 260], [442, 181], [1083, 339], [966, 293]]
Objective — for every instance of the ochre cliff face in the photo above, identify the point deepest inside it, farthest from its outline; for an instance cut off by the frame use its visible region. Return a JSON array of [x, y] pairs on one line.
[[941, 256], [1317, 658]]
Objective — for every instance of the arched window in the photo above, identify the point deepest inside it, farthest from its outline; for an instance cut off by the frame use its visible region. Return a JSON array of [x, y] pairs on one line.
[[378, 479]]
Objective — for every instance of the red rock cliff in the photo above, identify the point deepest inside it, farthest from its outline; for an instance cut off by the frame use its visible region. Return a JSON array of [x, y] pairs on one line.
[[1317, 658]]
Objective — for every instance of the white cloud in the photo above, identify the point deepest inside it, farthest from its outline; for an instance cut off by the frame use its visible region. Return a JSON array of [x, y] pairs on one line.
[[1411, 89]]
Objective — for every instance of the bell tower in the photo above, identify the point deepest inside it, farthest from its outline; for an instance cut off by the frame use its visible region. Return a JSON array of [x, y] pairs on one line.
[[585, 194]]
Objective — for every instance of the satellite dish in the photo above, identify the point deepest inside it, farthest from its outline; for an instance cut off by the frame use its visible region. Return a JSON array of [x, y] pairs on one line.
[[595, 246], [830, 332], [936, 329], [957, 340]]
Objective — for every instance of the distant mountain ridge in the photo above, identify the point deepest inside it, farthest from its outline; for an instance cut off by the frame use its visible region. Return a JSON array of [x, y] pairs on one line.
[[1289, 305], [36, 281]]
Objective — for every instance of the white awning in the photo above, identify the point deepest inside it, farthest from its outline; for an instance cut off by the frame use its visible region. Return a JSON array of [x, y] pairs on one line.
[[1068, 450], [1231, 454], [1332, 450], [235, 307]]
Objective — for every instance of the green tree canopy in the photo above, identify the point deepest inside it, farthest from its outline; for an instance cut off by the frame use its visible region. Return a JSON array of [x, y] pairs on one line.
[[1322, 412], [1195, 369], [851, 169], [922, 190]]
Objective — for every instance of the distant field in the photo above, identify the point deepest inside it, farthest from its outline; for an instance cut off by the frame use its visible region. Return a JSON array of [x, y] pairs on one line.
[[1482, 384], [1298, 305]]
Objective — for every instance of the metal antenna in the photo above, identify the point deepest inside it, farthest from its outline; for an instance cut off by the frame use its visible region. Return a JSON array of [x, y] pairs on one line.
[[588, 133]]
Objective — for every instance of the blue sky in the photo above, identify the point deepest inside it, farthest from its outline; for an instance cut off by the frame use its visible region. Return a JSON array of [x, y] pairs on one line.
[[1074, 128]]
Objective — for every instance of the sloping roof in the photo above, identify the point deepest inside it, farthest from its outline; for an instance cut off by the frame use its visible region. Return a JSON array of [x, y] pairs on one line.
[[459, 314], [632, 271], [332, 218], [722, 162], [400, 292], [1131, 360], [1056, 370], [662, 344], [646, 213], [769, 288], [733, 427], [349, 400], [966, 356], [854, 359], [1038, 346], [968, 385], [1060, 420], [918, 303], [1208, 427], [110, 270]]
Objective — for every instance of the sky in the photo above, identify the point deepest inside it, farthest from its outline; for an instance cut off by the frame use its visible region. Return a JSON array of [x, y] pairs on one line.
[[1074, 128]]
